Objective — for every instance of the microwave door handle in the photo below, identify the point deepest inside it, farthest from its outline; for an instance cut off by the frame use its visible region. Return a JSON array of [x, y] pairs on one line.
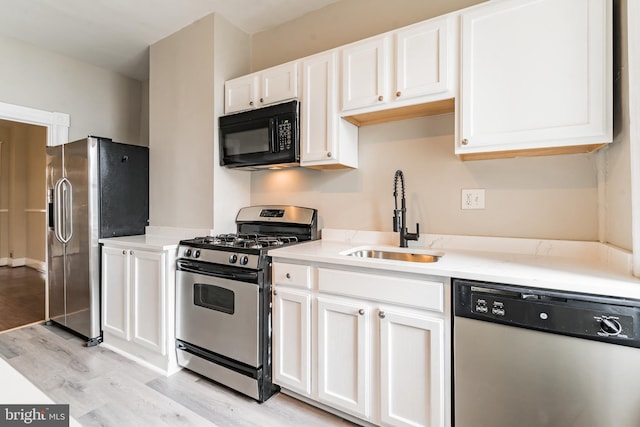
[[273, 135]]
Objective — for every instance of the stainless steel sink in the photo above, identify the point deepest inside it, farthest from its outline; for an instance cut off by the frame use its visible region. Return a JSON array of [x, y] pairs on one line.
[[395, 256]]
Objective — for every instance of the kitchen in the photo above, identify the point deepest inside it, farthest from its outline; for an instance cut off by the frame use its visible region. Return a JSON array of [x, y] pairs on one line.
[[583, 197]]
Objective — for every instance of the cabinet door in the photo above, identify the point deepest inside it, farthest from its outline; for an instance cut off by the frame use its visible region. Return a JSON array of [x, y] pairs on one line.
[[115, 291], [411, 370], [344, 355], [148, 285], [365, 73], [241, 93], [279, 83], [319, 90], [423, 59], [535, 74], [292, 340]]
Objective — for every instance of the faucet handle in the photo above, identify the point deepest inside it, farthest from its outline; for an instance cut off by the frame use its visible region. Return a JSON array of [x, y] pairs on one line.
[[413, 236]]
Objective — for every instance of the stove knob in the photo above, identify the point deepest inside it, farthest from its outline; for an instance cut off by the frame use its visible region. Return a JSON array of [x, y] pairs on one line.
[[244, 260], [187, 252], [196, 254], [233, 258], [610, 326]]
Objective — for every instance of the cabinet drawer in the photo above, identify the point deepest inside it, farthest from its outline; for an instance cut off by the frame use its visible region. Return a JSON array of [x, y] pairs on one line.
[[426, 294], [292, 275]]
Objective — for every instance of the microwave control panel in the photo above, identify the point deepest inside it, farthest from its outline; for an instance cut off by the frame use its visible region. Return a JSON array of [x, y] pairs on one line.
[[285, 135]]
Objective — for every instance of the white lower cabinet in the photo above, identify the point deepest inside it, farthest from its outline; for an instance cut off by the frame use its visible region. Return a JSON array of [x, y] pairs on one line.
[[292, 340], [339, 344], [411, 369], [344, 356], [135, 304]]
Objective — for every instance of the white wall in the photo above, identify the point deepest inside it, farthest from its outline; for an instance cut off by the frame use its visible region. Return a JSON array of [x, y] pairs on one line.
[[616, 212], [552, 197], [98, 101], [186, 92], [342, 22]]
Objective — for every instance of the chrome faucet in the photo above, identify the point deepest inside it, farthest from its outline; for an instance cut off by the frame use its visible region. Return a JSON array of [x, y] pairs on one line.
[[400, 215]]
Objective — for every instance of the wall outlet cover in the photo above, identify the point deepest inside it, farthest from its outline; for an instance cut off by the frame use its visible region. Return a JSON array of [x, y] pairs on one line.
[[472, 198]]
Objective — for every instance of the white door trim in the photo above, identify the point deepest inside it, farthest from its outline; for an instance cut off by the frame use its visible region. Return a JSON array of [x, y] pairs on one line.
[[57, 124]]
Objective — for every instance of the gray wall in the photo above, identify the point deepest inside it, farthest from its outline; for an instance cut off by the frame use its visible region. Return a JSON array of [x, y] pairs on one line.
[[578, 197], [186, 92], [98, 101]]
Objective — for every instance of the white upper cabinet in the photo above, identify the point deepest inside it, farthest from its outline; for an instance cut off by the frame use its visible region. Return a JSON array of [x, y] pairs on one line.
[[326, 140], [365, 73], [241, 93], [425, 59], [535, 75], [413, 65], [265, 87]]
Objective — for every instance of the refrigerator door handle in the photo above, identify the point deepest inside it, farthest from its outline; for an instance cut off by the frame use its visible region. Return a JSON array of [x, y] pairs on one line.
[[63, 212], [67, 210], [57, 209]]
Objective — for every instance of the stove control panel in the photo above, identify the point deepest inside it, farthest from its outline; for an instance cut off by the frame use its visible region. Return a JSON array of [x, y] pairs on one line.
[[223, 257]]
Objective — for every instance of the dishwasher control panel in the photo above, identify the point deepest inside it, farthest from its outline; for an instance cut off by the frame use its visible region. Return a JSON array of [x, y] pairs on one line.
[[593, 317]]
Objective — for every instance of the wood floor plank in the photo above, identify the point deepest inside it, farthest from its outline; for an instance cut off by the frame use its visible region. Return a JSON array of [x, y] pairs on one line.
[[22, 296], [104, 388]]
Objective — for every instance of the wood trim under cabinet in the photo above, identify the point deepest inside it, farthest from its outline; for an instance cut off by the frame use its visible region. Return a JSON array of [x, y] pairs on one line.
[[402, 113], [548, 151]]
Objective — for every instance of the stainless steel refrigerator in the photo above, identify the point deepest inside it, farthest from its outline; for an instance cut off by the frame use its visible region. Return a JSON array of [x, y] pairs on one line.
[[96, 188]]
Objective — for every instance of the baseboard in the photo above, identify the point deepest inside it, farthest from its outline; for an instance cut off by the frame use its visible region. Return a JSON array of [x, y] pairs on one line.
[[41, 266], [17, 262]]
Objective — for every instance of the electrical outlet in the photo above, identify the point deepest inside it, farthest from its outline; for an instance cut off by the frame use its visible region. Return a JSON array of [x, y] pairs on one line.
[[472, 198]]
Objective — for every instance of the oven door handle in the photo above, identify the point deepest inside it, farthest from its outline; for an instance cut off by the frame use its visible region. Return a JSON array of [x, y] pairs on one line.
[[244, 276]]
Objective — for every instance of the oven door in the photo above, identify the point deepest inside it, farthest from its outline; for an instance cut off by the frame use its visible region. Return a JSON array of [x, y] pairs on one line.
[[219, 315]]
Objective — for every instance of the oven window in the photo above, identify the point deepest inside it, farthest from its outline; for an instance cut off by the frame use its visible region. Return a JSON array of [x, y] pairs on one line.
[[214, 298]]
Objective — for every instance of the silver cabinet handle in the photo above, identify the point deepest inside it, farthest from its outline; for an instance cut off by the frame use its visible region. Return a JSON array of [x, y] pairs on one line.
[[275, 292], [251, 103], [398, 94], [288, 275], [465, 141], [361, 312], [124, 252], [382, 314], [329, 154], [380, 98], [130, 252]]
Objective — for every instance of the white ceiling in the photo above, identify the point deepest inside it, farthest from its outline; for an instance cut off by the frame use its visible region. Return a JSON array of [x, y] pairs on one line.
[[116, 34]]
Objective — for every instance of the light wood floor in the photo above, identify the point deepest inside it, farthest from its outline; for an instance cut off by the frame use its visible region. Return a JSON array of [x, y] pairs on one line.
[[21, 297], [106, 389]]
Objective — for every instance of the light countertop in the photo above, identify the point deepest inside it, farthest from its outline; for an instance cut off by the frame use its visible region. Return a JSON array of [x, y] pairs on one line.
[[142, 241], [585, 267]]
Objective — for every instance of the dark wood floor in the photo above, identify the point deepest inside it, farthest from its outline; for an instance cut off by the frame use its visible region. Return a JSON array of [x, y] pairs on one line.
[[21, 297]]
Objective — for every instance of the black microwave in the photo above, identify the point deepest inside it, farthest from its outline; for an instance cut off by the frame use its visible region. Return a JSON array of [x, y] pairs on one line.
[[267, 137]]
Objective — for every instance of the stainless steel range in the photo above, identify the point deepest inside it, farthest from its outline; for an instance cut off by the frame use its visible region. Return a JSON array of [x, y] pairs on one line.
[[223, 297]]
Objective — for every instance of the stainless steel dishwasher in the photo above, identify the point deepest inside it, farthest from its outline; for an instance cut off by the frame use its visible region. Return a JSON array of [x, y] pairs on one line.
[[525, 357]]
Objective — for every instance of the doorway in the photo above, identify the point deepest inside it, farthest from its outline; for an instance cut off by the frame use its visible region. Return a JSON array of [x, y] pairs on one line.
[[24, 135], [22, 223]]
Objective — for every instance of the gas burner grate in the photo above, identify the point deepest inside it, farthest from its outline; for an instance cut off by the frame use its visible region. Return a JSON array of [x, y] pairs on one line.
[[249, 241]]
